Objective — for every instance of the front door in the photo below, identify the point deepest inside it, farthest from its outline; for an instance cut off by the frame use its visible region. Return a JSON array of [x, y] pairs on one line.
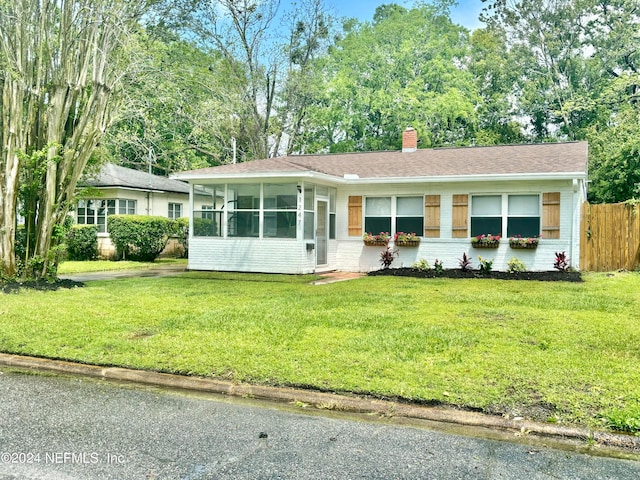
[[321, 232]]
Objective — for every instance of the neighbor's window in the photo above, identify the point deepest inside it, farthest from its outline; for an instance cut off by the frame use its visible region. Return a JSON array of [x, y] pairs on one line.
[[524, 216], [175, 210], [486, 215], [280, 206], [96, 211]]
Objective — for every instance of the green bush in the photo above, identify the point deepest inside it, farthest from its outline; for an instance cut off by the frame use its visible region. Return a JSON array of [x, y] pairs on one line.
[[515, 265], [140, 237], [182, 232], [82, 242]]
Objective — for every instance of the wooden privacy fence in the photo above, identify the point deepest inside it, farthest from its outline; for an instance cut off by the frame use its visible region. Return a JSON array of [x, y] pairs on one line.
[[610, 237]]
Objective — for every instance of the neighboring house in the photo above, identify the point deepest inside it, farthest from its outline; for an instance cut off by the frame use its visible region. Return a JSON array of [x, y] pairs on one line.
[[127, 191], [308, 213]]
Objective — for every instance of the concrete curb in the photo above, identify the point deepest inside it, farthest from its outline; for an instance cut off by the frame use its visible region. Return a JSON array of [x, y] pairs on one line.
[[330, 401]]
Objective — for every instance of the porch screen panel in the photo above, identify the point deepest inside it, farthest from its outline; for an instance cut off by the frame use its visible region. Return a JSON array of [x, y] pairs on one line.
[[244, 210], [355, 216], [551, 215], [280, 210], [432, 216], [460, 216], [208, 209]]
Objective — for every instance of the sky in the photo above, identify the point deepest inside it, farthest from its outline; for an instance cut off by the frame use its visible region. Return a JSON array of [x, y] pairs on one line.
[[465, 14]]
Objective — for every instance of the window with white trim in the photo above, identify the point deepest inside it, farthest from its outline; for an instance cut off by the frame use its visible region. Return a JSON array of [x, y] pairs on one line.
[[523, 216], [96, 211], [394, 214], [514, 214], [175, 211]]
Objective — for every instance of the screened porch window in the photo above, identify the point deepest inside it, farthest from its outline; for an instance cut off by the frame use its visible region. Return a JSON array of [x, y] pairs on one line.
[[243, 215], [280, 210], [207, 220]]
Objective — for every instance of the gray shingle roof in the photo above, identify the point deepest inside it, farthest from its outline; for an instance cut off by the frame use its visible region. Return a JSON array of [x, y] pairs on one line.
[[116, 176], [547, 158]]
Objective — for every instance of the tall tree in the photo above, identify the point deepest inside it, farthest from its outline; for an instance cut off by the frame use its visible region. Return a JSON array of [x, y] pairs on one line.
[[241, 31], [178, 108], [62, 61], [406, 68]]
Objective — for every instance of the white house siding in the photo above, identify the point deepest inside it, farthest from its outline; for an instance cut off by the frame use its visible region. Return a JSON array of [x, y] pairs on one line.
[[353, 255], [273, 255]]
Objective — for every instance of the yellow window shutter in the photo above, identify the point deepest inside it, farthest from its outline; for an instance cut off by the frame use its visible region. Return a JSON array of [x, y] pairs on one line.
[[355, 216], [460, 214], [432, 216], [551, 215]]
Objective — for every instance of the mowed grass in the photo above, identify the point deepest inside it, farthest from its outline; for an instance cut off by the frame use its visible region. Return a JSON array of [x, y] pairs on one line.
[[550, 351]]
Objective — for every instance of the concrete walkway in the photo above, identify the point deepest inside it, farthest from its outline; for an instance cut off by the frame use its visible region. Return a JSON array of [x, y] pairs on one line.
[[159, 271]]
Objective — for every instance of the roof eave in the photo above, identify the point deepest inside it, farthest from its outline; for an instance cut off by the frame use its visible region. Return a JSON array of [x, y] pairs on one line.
[[354, 179], [469, 178]]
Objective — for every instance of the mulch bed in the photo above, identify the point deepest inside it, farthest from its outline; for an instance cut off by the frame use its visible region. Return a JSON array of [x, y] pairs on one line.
[[550, 276], [43, 285]]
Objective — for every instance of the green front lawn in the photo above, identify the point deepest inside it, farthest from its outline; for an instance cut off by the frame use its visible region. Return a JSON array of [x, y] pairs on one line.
[[551, 351]]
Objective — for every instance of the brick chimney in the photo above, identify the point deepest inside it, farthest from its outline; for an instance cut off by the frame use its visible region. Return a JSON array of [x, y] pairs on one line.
[[409, 140]]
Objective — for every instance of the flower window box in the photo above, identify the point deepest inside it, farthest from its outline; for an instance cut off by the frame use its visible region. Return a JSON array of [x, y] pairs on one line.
[[402, 239], [486, 241], [519, 242], [380, 240]]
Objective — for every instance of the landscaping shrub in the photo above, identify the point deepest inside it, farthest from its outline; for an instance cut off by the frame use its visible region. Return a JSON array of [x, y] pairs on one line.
[[421, 265], [485, 265], [140, 237], [387, 256], [465, 262], [561, 262], [182, 232], [515, 265], [82, 242]]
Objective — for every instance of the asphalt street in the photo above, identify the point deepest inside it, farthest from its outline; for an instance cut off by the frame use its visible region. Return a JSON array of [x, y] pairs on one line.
[[54, 427]]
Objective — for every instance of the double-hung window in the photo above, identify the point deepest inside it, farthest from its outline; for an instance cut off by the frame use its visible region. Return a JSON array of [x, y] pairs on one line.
[[410, 215], [511, 214], [523, 216], [394, 214], [486, 215], [377, 215]]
